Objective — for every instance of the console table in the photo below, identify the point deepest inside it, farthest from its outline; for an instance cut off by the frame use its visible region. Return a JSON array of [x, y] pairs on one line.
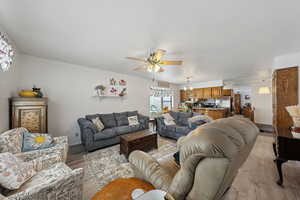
[[285, 148]]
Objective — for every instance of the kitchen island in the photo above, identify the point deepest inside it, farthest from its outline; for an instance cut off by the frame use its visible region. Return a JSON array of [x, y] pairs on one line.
[[214, 113]]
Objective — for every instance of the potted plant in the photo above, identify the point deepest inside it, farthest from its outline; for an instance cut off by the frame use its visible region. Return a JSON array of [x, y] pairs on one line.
[[100, 89]]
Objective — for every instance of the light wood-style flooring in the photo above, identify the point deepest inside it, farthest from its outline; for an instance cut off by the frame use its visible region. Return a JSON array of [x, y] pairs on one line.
[[256, 179]]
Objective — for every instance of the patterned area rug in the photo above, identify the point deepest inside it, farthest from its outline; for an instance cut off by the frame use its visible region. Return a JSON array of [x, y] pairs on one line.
[[256, 178], [105, 165]]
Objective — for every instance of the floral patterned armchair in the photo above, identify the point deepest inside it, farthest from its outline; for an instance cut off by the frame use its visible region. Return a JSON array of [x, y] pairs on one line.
[[54, 179], [11, 141]]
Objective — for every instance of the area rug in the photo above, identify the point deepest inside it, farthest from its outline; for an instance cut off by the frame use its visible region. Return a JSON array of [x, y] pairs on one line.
[[256, 178], [105, 165]]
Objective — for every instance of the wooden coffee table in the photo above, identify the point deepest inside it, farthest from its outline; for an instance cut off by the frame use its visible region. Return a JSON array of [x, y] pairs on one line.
[[141, 140], [121, 189]]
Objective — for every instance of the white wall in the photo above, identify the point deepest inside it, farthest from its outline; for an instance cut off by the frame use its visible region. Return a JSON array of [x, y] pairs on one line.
[[261, 102], [69, 89], [8, 88]]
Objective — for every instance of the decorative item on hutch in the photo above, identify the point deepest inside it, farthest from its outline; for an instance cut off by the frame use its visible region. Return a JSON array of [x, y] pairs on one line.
[[35, 92]]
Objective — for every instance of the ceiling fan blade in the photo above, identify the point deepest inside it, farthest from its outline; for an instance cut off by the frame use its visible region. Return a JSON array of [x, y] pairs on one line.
[[161, 70], [179, 62], [159, 53], [140, 68], [136, 59]]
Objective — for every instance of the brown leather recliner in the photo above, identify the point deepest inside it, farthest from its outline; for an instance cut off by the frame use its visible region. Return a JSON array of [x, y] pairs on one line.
[[210, 157]]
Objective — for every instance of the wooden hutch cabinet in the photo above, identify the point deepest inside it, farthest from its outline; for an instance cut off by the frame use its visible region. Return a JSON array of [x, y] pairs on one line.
[[30, 113], [284, 93]]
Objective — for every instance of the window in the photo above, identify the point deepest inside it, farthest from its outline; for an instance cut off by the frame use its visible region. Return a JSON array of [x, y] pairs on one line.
[[158, 103], [167, 102]]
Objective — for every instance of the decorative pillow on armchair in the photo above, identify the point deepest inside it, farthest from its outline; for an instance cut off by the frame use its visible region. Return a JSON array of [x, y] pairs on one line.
[[13, 171], [11, 140], [36, 141]]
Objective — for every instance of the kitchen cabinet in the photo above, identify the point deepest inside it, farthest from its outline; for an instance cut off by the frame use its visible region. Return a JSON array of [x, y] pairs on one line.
[[198, 93], [217, 114], [216, 92], [227, 92], [206, 93], [213, 112]]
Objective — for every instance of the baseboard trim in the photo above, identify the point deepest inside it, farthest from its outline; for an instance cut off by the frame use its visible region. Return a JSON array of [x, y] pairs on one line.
[[267, 128]]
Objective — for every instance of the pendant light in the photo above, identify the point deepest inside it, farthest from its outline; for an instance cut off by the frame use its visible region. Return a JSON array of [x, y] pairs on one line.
[[188, 87], [264, 89]]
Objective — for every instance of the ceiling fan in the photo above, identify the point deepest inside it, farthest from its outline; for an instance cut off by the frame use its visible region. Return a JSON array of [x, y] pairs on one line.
[[153, 62]]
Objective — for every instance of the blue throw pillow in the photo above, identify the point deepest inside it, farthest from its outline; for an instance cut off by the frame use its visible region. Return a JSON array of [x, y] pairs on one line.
[[36, 141]]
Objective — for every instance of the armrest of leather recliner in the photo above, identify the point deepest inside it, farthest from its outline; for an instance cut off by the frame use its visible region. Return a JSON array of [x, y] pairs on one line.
[[147, 168]]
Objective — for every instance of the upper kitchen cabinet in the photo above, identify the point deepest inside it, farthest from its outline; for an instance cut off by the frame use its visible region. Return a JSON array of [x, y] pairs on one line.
[[216, 92], [198, 93], [206, 93], [227, 92]]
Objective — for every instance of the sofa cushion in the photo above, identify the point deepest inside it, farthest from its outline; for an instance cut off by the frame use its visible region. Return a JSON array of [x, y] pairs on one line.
[[171, 128], [105, 134], [182, 129], [183, 118], [13, 171], [121, 118], [11, 141], [174, 115], [108, 120], [91, 117], [132, 113], [126, 129]]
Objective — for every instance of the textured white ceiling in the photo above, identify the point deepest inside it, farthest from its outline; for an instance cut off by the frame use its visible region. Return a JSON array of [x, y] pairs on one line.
[[217, 40]]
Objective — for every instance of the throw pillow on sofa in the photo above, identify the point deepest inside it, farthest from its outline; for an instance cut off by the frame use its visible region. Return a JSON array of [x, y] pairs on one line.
[[168, 119], [13, 171], [133, 121], [36, 141], [99, 125]]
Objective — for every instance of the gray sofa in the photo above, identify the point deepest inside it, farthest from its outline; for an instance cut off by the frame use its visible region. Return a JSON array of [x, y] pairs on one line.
[[182, 127], [116, 124]]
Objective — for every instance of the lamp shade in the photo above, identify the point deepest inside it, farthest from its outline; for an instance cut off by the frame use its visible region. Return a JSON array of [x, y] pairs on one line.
[[264, 90]]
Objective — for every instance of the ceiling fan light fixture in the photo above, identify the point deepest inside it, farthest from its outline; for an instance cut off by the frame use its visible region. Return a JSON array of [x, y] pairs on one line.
[[156, 68]]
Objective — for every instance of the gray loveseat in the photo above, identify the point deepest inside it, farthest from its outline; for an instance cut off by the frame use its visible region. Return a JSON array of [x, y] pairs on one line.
[[182, 127], [116, 124]]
